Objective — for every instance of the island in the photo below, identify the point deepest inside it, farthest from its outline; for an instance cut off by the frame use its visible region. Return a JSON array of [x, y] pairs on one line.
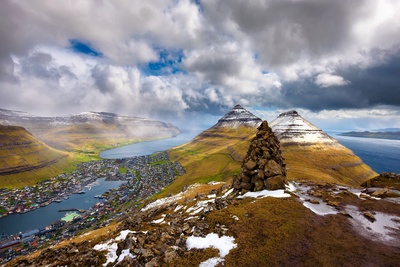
[[393, 135]]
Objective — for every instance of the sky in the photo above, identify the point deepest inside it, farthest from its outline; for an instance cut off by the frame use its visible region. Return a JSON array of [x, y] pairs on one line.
[[189, 62]]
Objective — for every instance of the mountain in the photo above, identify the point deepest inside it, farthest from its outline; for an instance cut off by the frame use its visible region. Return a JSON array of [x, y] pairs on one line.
[[305, 224], [238, 117], [200, 222], [89, 131], [216, 154], [311, 154], [25, 160]]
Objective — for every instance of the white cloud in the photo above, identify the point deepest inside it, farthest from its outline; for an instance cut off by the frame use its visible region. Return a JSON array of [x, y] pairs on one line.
[[328, 80]]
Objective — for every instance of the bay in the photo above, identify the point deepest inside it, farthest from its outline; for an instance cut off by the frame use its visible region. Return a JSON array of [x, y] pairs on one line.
[[149, 147], [44, 216]]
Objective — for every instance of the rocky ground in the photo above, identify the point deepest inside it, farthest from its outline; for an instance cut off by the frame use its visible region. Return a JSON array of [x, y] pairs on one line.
[[349, 223]]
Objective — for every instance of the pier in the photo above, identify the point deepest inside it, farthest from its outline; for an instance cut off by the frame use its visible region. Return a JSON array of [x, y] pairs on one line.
[[73, 209]]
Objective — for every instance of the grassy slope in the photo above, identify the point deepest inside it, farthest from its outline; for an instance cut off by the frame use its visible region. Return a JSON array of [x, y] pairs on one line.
[[282, 232], [32, 159], [90, 138], [214, 155], [324, 163]]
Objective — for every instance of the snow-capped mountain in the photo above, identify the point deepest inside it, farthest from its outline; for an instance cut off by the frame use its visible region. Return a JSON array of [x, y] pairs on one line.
[[291, 127], [239, 116], [311, 154]]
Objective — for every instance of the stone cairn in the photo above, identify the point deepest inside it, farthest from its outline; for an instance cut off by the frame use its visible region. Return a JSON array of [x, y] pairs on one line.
[[263, 166]]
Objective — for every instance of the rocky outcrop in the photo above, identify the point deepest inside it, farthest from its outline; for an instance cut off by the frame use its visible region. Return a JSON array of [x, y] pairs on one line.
[[153, 236], [263, 167], [386, 184], [237, 117]]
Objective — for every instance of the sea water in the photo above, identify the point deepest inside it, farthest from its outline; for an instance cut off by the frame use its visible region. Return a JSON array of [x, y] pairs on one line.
[[382, 155]]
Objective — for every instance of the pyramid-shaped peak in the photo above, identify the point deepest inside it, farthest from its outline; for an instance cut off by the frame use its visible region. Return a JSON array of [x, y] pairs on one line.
[[291, 127], [239, 116], [238, 107], [292, 113]]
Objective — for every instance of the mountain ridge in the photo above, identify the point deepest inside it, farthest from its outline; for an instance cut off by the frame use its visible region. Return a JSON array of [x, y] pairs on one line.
[[88, 131]]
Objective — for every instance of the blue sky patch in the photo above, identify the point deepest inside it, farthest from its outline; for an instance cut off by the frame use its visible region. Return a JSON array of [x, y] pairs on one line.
[[84, 48], [169, 62]]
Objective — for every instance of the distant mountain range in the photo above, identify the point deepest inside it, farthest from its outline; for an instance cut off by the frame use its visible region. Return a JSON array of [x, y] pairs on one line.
[[89, 131], [388, 133]]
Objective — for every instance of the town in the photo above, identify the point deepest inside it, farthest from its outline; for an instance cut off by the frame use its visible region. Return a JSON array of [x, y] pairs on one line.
[[143, 176]]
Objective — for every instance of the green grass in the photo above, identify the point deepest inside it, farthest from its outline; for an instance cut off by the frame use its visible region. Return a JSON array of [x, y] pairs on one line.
[[214, 155], [122, 170]]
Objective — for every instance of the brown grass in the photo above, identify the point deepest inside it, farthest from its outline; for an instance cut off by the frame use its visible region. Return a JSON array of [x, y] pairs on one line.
[[324, 163], [282, 232]]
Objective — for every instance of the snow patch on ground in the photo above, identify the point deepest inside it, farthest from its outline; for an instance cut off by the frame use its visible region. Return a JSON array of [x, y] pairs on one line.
[[320, 209], [159, 220], [168, 200], [384, 227], [123, 234], [112, 247], [280, 193], [199, 206], [111, 256], [211, 262], [227, 193], [224, 244], [124, 253]]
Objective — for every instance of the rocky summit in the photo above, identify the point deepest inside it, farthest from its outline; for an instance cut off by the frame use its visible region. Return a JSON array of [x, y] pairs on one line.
[[263, 167], [237, 117]]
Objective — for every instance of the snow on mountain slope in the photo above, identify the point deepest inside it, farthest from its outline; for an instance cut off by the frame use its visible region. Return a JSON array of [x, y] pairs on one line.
[[291, 127], [239, 116], [311, 154]]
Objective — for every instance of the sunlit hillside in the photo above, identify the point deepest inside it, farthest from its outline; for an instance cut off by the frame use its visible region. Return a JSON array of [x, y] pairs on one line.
[[214, 155], [25, 160]]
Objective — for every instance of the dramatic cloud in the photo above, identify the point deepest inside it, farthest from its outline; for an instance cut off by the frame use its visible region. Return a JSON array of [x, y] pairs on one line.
[[174, 59]]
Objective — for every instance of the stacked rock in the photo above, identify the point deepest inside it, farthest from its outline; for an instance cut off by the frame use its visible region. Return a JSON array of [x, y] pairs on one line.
[[263, 167]]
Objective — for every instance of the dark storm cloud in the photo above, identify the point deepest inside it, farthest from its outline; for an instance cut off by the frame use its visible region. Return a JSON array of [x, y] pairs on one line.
[[379, 85], [284, 31]]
